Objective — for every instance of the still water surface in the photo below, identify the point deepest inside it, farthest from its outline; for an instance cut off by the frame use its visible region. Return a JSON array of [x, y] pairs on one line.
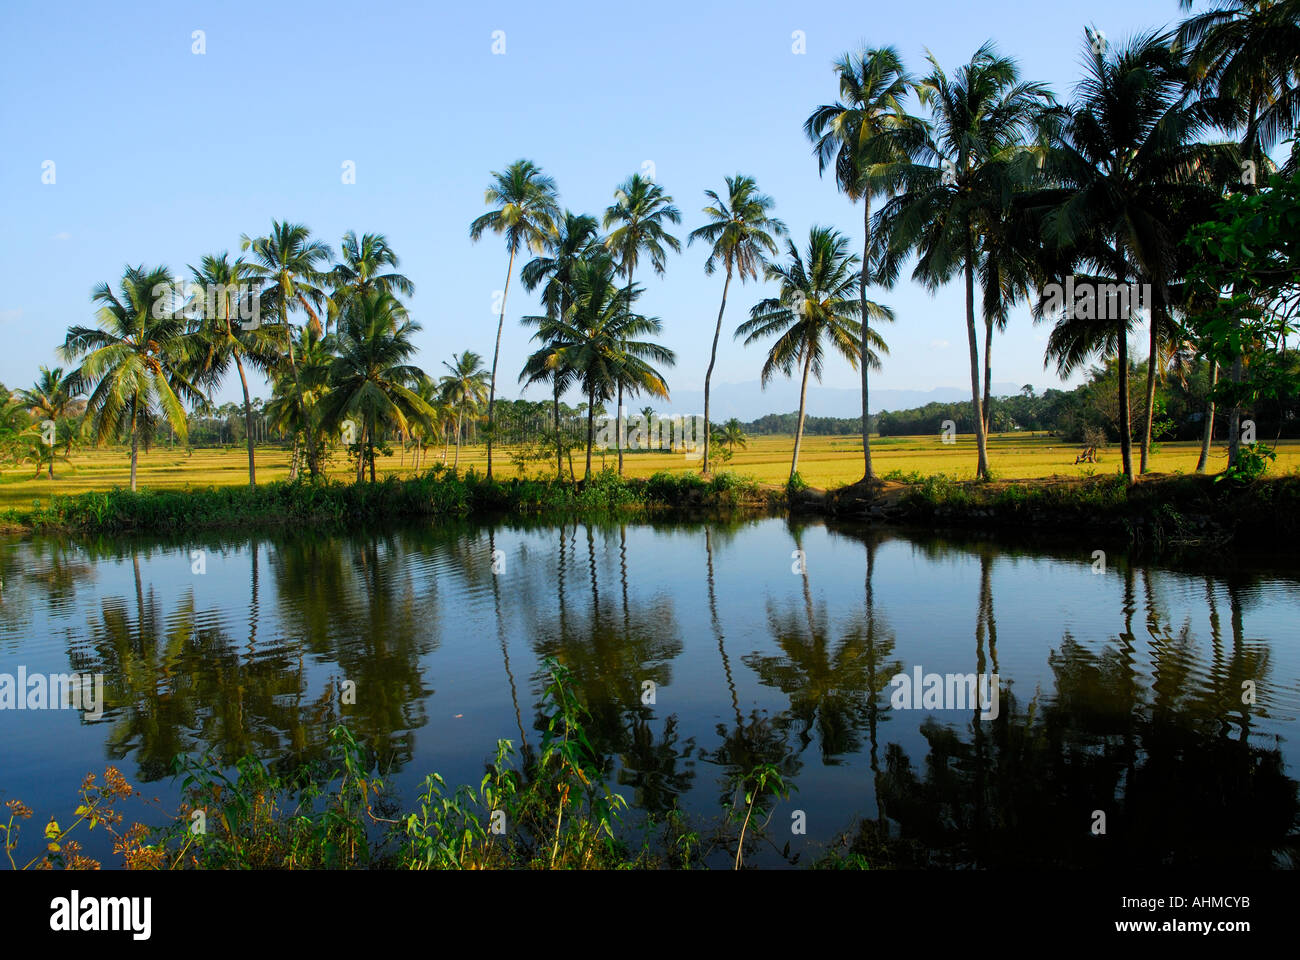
[[1123, 691]]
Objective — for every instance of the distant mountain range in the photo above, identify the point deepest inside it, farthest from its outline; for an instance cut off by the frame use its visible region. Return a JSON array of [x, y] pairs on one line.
[[748, 401]]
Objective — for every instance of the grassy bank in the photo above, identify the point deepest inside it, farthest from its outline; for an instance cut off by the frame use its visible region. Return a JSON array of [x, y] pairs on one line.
[[1157, 511], [333, 504]]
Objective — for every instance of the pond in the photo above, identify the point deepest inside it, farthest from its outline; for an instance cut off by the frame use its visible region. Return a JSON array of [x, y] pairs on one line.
[[940, 702]]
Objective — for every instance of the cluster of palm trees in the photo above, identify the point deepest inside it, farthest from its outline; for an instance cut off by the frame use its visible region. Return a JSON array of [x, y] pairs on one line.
[[1007, 189], [994, 181], [342, 375]]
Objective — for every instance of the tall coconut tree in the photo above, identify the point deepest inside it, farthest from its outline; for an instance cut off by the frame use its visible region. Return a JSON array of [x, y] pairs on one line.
[[603, 341], [135, 367], [553, 272], [464, 386], [546, 364], [294, 269], [223, 338], [636, 221], [524, 210], [863, 137], [981, 119], [741, 233], [372, 381], [817, 307]]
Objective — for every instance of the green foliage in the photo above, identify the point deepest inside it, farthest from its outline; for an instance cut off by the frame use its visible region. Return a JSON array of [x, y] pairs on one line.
[[439, 492]]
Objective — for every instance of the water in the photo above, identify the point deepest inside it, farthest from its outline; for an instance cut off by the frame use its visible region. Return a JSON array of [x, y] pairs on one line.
[[1121, 692]]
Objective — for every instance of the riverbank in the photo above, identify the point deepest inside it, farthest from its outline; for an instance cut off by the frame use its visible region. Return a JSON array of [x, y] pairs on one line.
[[1158, 511], [333, 505]]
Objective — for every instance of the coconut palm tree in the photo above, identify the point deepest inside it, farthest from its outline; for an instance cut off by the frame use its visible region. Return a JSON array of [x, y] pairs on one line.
[[981, 120], [1131, 174], [602, 341], [371, 380], [464, 387], [292, 408], [524, 212], [865, 135], [740, 233], [638, 216], [362, 270], [224, 340], [49, 399], [574, 235], [547, 365], [818, 304], [733, 435], [135, 367], [292, 265]]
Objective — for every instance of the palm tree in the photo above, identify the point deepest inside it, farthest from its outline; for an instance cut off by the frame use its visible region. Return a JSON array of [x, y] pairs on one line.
[[864, 134], [818, 302], [135, 366], [362, 270], [733, 434], [525, 208], [574, 236], [638, 214], [740, 234], [1129, 170], [48, 399], [981, 120], [547, 365], [292, 408], [371, 379], [291, 264], [223, 340], [464, 387], [602, 341]]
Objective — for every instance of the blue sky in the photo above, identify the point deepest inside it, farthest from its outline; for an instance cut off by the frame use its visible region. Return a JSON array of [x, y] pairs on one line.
[[162, 155]]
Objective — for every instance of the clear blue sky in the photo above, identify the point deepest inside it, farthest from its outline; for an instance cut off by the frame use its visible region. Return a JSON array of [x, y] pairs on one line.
[[163, 155]]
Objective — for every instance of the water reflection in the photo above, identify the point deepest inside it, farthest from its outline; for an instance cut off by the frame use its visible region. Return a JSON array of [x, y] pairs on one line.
[[1143, 694]]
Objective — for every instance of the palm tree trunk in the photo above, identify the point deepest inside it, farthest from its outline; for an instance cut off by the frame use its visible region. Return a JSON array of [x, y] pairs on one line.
[[248, 422], [868, 473], [135, 443], [370, 449], [708, 376], [618, 428], [1157, 317], [559, 444], [987, 409], [982, 468], [496, 352], [1125, 428], [803, 399], [591, 414], [1207, 434], [456, 463]]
